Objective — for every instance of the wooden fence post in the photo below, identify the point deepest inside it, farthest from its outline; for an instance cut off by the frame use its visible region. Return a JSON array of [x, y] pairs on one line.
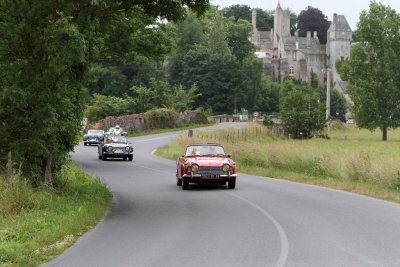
[[10, 184]]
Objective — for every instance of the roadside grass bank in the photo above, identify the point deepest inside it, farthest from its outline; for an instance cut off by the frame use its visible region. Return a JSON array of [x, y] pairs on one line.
[[37, 224], [353, 159], [167, 130]]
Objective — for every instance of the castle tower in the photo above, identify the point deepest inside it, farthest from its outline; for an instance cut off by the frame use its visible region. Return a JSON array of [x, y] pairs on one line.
[[281, 24], [255, 35], [338, 44]]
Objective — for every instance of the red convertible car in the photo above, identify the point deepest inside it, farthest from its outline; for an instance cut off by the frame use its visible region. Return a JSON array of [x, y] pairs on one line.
[[205, 163]]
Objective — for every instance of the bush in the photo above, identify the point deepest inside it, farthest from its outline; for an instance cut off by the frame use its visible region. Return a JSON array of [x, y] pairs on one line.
[[267, 121], [200, 117], [160, 119]]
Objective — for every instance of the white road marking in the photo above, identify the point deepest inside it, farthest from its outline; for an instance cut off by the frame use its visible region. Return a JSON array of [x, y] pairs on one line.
[[282, 234]]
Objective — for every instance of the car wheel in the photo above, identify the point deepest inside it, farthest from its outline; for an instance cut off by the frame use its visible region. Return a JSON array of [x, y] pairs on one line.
[[232, 183], [104, 157], [185, 184], [178, 181], [85, 143], [130, 158]]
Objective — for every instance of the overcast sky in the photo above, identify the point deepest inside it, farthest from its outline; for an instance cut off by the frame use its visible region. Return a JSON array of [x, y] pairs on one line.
[[351, 9]]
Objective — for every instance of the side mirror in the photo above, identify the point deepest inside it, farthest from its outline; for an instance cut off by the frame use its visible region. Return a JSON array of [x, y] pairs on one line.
[[229, 155], [183, 156]]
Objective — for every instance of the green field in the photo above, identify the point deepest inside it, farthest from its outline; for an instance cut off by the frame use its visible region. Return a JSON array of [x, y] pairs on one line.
[[37, 224], [352, 159]]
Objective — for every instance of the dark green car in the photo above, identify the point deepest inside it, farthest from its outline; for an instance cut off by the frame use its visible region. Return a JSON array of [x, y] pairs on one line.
[[115, 147]]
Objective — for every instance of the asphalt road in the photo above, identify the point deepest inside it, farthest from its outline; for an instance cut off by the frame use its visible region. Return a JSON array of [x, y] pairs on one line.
[[263, 222]]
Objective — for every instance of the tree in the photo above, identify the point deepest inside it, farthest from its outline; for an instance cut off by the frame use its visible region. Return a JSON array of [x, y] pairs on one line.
[[338, 101], [268, 98], [373, 70], [312, 19], [238, 38], [238, 12], [46, 50], [300, 112]]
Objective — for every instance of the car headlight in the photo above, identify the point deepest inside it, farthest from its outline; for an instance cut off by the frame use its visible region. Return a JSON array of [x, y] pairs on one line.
[[225, 167], [109, 148], [195, 168]]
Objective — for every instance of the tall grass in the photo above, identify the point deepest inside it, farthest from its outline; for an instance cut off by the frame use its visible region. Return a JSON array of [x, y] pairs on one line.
[[351, 155], [36, 224]]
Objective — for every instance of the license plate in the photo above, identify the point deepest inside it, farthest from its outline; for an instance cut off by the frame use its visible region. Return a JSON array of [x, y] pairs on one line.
[[92, 140], [118, 151], [210, 176]]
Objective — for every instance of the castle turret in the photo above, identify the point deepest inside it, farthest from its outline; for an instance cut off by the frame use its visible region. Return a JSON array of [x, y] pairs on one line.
[[338, 44], [281, 24]]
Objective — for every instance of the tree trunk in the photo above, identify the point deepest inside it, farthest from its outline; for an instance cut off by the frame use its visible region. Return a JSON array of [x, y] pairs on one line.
[[47, 172], [9, 170], [384, 133]]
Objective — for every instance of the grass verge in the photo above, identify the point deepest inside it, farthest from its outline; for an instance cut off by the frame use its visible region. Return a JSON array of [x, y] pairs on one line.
[[37, 224], [352, 159]]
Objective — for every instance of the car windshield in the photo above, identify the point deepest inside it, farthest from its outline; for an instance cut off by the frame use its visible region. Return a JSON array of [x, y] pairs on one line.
[[95, 132], [116, 139], [205, 150]]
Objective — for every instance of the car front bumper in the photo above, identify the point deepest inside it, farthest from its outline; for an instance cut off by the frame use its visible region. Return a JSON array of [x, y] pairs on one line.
[[197, 178], [117, 155]]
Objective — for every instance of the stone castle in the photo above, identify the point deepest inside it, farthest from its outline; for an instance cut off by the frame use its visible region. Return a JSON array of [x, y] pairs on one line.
[[297, 57]]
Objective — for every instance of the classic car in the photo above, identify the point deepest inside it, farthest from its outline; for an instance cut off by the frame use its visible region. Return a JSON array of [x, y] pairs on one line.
[[93, 137], [115, 147], [205, 163]]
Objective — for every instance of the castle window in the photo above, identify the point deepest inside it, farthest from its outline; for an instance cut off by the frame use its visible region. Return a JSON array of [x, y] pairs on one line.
[[291, 71], [294, 56]]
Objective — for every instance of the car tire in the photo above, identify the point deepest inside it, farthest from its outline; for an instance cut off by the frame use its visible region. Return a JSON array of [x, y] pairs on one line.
[[232, 183], [130, 158], [85, 143], [185, 184], [104, 157], [178, 181]]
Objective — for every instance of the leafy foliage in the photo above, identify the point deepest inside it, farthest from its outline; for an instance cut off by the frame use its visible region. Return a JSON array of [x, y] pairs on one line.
[[312, 19], [160, 118], [46, 50], [267, 121], [220, 62], [300, 112], [158, 95], [111, 77], [373, 70]]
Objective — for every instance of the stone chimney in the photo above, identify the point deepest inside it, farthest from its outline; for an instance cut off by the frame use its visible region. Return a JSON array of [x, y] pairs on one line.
[[308, 38], [254, 19], [334, 18]]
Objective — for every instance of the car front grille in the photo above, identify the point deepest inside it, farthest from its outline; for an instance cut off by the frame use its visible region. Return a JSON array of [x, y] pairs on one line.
[[210, 170]]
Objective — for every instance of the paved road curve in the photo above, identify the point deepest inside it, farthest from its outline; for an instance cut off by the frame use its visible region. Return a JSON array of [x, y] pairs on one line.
[[263, 222]]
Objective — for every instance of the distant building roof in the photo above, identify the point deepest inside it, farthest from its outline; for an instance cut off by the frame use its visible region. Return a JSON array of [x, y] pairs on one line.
[[339, 24]]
